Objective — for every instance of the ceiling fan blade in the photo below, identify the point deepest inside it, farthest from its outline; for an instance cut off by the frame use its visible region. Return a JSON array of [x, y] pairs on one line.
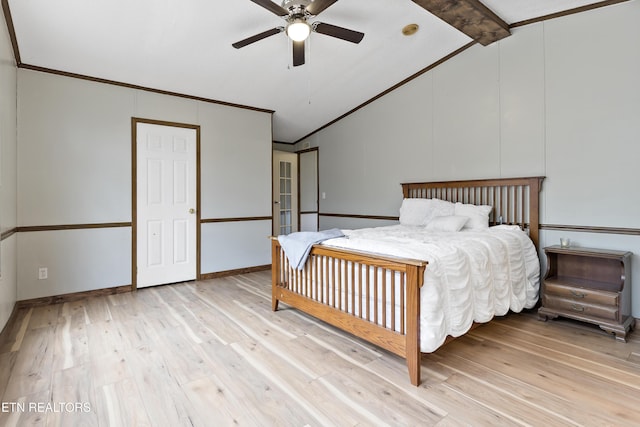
[[257, 37], [272, 7], [319, 5], [338, 32], [298, 53]]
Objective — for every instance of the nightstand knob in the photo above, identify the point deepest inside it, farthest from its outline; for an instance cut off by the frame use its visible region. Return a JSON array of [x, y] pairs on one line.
[[577, 308], [578, 294]]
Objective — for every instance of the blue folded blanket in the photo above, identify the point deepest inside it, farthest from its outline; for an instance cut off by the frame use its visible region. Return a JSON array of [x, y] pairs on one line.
[[297, 246]]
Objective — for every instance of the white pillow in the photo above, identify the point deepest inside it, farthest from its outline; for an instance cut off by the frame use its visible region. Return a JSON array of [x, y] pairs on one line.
[[446, 223], [440, 208], [478, 215], [413, 212], [420, 211]]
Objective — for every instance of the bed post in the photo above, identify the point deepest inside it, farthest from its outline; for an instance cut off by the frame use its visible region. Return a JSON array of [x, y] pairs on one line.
[[535, 185], [275, 272], [415, 277]]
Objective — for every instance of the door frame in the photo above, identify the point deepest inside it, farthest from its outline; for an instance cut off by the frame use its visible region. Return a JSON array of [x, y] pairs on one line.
[[134, 193]]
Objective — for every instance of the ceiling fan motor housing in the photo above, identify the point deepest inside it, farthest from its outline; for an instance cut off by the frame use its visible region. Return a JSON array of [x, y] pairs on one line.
[[296, 6]]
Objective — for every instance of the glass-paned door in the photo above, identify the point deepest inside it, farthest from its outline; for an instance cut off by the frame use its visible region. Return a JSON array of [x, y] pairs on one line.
[[285, 198], [285, 207]]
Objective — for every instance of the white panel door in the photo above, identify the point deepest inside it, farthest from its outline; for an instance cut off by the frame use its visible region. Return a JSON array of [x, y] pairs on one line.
[[166, 204]]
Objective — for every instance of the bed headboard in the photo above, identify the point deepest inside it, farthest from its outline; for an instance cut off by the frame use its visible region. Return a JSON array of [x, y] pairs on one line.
[[514, 200]]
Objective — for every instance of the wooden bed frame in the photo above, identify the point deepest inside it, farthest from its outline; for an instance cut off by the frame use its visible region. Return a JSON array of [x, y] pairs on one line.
[[320, 291]]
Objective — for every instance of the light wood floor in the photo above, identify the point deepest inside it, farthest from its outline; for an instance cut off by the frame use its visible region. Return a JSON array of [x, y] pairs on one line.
[[213, 353]]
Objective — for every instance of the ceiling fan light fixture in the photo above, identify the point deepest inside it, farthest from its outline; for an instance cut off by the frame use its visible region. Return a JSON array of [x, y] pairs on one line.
[[298, 30]]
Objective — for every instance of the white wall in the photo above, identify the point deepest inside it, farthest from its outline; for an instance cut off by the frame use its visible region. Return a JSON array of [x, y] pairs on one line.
[[559, 98], [74, 167], [236, 182], [308, 189], [8, 281]]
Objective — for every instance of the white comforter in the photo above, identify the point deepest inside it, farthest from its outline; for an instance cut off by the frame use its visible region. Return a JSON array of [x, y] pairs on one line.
[[471, 276]]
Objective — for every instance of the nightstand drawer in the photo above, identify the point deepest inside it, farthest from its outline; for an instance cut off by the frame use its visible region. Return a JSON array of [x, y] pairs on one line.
[[582, 295], [580, 307]]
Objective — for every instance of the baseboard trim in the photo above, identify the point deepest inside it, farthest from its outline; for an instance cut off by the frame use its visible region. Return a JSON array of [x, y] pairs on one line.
[[75, 296], [218, 274]]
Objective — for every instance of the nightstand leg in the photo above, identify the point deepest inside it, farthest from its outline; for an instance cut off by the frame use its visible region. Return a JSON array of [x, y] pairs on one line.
[[622, 338], [620, 334], [544, 315]]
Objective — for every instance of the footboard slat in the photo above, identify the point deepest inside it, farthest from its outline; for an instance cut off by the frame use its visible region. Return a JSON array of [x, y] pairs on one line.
[[393, 302], [369, 296], [403, 324], [375, 295]]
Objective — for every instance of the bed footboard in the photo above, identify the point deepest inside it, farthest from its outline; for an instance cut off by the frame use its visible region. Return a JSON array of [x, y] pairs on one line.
[[373, 297]]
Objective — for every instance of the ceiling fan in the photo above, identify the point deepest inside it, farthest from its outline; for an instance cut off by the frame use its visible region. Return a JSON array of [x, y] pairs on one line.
[[297, 14]]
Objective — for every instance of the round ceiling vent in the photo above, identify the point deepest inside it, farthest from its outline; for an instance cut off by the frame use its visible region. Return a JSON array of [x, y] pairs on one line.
[[410, 29]]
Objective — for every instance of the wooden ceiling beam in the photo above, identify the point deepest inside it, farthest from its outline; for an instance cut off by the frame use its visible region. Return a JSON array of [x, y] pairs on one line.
[[469, 16]]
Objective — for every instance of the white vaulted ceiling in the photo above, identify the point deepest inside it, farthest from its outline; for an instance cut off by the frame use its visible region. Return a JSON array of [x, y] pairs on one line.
[[184, 46]]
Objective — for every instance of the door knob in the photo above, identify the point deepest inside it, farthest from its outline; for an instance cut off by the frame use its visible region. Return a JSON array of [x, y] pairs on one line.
[[192, 211]]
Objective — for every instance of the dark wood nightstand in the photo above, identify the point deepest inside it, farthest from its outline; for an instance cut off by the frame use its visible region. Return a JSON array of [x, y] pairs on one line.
[[591, 285]]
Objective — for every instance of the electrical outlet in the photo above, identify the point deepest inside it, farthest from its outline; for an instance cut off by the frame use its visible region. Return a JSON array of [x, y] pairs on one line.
[[43, 273]]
